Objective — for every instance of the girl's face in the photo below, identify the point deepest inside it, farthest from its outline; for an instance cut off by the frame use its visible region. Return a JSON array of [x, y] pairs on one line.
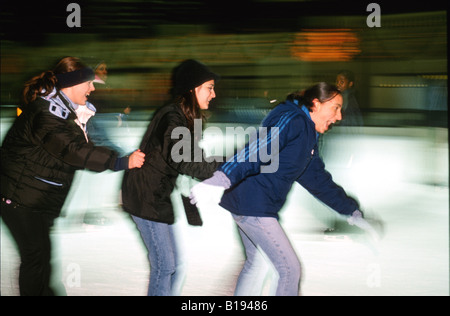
[[102, 71], [205, 93], [79, 93], [326, 113]]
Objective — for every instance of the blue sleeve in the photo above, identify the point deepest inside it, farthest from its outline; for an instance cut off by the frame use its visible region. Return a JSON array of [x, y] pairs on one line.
[[261, 153], [121, 163], [319, 183]]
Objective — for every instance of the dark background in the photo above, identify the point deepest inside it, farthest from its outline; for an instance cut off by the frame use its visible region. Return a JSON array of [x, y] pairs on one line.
[[263, 49]]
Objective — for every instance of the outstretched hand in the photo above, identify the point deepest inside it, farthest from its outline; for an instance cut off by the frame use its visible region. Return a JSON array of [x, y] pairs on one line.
[[374, 228], [136, 159]]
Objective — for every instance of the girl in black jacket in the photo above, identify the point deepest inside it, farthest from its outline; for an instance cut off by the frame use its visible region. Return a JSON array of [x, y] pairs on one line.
[[46, 144], [146, 192]]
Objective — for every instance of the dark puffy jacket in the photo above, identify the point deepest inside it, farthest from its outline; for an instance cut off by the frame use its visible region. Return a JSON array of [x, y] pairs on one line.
[[146, 192], [41, 152]]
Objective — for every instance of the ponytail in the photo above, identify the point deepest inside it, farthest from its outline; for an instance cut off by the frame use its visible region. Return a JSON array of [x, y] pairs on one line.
[[322, 91], [41, 85], [70, 70]]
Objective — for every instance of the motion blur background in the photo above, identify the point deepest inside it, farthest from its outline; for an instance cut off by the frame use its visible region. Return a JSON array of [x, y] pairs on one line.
[[263, 50], [396, 163]]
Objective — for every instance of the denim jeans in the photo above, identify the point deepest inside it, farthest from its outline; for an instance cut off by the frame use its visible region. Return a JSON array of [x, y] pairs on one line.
[[264, 238], [167, 271]]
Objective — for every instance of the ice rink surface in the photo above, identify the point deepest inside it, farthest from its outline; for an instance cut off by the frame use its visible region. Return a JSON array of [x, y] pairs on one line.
[[399, 175]]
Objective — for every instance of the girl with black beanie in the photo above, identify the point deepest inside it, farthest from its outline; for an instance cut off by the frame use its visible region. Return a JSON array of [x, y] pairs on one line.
[[146, 193]]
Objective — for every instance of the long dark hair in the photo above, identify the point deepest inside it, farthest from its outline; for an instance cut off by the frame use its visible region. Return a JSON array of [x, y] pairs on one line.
[[322, 91], [190, 107], [43, 84]]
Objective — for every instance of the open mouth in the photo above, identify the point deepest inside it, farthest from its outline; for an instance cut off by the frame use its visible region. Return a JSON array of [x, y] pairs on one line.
[[329, 125]]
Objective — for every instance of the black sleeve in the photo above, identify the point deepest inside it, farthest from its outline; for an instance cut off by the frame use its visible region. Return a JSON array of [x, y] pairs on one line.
[[64, 139], [180, 149]]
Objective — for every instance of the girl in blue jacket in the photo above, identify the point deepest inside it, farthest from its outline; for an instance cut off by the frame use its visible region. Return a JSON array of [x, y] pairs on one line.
[[256, 191]]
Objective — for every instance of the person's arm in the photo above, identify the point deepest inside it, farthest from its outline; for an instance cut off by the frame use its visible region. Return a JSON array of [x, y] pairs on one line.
[[261, 154], [319, 182], [178, 148], [288, 128], [135, 160], [64, 140]]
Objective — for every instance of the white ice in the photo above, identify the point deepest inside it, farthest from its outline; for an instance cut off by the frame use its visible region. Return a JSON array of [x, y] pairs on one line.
[[399, 175]]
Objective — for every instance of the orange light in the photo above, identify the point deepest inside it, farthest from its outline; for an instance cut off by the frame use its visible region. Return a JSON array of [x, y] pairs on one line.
[[325, 45], [19, 111]]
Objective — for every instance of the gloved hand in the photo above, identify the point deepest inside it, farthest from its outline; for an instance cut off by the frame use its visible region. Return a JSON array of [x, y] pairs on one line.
[[357, 220], [210, 190]]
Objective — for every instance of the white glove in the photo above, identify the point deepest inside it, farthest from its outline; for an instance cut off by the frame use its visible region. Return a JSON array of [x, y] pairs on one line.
[[357, 220], [210, 190]]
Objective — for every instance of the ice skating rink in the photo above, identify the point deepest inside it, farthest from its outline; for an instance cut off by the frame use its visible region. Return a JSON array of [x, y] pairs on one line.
[[400, 176]]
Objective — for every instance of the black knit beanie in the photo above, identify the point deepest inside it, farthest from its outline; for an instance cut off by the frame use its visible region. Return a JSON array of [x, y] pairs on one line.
[[189, 75], [73, 78]]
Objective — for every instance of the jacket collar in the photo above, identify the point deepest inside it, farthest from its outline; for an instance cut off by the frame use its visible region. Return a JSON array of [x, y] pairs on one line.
[[305, 110]]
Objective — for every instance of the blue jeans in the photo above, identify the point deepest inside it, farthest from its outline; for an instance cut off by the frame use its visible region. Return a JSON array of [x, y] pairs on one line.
[[264, 238], [167, 271]]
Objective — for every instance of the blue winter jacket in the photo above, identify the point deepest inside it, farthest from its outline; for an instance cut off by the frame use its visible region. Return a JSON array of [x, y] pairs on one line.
[[256, 191]]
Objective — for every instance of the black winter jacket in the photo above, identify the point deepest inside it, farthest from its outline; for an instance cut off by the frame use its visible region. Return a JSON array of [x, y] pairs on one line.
[[146, 192], [41, 152]]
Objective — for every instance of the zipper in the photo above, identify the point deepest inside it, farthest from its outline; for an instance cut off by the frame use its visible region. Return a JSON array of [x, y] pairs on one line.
[[308, 161], [49, 182]]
